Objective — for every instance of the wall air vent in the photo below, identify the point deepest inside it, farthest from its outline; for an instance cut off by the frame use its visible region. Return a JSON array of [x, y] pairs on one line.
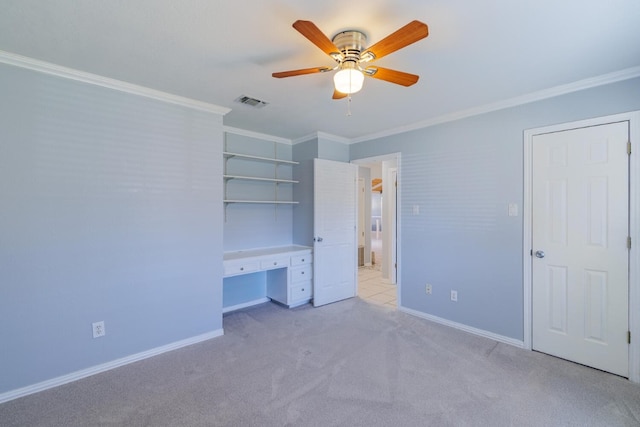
[[251, 102]]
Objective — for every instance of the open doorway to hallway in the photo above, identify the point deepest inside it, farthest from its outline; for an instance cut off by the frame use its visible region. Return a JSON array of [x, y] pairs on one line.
[[377, 230]]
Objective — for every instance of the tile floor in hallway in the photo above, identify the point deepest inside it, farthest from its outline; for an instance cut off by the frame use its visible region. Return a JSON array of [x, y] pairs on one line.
[[374, 289]]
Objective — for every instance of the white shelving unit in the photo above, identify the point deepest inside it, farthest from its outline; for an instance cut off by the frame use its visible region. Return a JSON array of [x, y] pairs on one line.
[[277, 181]]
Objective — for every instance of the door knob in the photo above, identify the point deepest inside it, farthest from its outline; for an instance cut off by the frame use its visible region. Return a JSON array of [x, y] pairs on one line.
[[540, 254], [318, 239]]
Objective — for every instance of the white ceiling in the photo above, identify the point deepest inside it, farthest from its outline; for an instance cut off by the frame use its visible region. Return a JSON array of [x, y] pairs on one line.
[[477, 53]]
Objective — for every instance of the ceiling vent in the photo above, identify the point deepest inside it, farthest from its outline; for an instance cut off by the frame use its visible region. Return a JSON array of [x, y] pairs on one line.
[[251, 102]]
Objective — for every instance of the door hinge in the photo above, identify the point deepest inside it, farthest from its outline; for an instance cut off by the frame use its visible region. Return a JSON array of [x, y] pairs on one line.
[[629, 147], [628, 337], [629, 242]]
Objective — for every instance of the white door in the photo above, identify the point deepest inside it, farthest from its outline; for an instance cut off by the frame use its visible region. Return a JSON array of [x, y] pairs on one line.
[[580, 225], [361, 211], [393, 218], [334, 248]]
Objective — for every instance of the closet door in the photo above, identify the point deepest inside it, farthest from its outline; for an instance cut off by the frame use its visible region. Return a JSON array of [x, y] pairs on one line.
[[335, 220], [580, 263]]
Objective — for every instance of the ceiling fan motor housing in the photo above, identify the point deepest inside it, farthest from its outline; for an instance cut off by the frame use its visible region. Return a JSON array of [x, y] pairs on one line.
[[351, 43]]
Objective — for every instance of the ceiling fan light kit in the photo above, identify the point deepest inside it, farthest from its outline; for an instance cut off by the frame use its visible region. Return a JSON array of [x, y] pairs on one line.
[[348, 80], [348, 49]]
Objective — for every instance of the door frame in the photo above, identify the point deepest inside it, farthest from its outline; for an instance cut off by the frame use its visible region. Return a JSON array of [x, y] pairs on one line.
[[396, 243], [634, 228]]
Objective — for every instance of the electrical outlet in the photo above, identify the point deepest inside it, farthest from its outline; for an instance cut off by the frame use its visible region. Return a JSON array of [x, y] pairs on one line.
[[98, 329], [454, 296], [428, 289]]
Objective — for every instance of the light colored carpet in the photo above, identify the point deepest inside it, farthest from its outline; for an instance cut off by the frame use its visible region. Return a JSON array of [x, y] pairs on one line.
[[345, 364]]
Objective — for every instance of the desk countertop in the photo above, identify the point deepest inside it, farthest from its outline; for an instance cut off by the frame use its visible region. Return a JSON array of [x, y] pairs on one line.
[[250, 253]]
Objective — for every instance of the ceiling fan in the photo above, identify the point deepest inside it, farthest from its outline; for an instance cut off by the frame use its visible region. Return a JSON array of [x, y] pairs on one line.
[[348, 49]]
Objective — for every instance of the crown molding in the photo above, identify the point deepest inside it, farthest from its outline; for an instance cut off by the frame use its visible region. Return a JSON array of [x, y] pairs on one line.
[[257, 135], [334, 138], [94, 79], [617, 76], [305, 138], [323, 135]]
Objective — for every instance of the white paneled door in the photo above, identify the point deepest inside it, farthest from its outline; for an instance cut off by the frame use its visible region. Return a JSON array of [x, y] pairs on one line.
[[580, 225], [334, 248]]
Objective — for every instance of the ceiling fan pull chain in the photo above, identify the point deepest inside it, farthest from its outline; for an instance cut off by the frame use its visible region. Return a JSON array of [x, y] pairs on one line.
[[349, 98]]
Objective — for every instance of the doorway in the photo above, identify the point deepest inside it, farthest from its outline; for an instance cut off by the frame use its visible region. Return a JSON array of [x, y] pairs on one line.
[[378, 272], [580, 209]]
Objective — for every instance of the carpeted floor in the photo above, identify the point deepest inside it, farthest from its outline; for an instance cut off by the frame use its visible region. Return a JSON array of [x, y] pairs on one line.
[[345, 364]]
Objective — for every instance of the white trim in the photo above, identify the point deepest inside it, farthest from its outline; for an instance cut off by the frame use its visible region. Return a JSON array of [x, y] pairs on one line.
[[626, 74], [78, 375], [334, 138], [527, 247], [475, 331], [634, 255], [634, 222], [377, 159], [323, 135], [305, 138], [245, 305], [94, 79], [257, 135]]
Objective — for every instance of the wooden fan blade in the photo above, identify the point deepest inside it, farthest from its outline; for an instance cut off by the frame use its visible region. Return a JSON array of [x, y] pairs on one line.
[[301, 72], [393, 76], [410, 33], [317, 37], [339, 95]]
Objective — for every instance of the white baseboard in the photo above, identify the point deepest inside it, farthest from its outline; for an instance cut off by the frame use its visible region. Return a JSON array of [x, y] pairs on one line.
[[465, 328], [245, 305], [74, 376]]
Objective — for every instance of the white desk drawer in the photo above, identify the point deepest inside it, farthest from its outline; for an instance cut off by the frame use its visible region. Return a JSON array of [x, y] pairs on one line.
[[269, 264], [232, 268], [300, 292], [301, 259], [300, 274]]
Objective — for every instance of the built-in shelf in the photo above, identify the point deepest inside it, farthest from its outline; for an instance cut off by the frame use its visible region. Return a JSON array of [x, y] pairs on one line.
[[228, 154], [264, 202], [274, 180], [255, 178]]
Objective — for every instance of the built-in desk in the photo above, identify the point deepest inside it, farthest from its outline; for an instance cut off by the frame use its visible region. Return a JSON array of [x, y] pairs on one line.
[[289, 271]]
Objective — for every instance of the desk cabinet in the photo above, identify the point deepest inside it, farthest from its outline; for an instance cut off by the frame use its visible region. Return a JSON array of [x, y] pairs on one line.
[[300, 290], [289, 271]]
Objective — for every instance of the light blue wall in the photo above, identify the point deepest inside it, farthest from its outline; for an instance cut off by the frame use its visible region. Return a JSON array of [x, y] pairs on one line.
[[332, 150], [304, 153], [111, 210], [242, 289], [462, 175]]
